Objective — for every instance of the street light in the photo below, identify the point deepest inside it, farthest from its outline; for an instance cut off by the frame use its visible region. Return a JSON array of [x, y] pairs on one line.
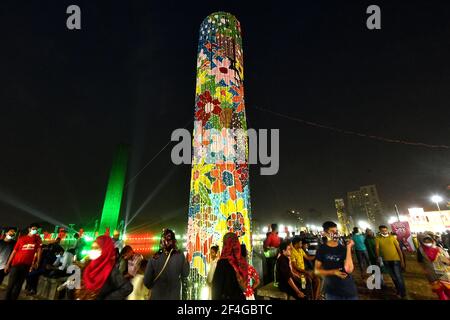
[[436, 199]]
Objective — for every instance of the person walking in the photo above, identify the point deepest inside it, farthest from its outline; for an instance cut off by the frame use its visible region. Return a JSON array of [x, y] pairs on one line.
[[361, 253], [370, 245], [389, 254], [166, 270]]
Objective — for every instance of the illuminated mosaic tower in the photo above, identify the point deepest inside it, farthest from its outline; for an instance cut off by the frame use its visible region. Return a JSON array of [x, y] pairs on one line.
[[114, 192], [220, 196]]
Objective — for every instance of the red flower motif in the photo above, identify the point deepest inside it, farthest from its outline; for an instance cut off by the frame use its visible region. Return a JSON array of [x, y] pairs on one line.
[[242, 173], [207, 105]]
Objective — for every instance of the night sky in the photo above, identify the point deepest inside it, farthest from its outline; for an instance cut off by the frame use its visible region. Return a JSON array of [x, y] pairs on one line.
[[68, 98]]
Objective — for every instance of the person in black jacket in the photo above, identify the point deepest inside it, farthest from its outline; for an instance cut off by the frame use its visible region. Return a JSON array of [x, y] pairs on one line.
[[167, 270], [230, 278]]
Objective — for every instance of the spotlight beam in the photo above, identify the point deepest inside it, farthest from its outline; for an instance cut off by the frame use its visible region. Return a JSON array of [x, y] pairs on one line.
[[152, 194], [18, 204]]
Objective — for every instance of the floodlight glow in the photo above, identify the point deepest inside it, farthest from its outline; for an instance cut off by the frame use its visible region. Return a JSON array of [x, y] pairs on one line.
[[436, 198], [392, 220], [363, 224], [204, 295]]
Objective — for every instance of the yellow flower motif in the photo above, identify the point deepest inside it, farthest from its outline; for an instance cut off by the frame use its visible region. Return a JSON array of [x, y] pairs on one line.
[[201, 80], [198, 264], [234, 206], [223, 95], [199, 172]]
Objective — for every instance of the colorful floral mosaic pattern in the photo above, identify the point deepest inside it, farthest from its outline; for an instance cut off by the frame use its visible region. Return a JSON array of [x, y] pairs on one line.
[[220, 196]]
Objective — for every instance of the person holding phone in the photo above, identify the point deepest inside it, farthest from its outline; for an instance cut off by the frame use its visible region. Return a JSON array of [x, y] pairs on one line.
[[334, 263]]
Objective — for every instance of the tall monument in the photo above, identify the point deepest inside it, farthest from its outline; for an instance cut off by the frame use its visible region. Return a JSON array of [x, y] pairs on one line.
[[114, 191], [220, 196]]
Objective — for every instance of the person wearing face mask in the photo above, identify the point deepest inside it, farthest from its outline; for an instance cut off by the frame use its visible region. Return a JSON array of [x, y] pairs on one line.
[[24, 258], [436, 263], [64, 259], [166, 270], [101, 277], [6, 247], [334, 263], [389, 254]]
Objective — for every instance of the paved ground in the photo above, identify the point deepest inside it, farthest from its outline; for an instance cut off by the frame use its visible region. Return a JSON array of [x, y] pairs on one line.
[[417, 286]]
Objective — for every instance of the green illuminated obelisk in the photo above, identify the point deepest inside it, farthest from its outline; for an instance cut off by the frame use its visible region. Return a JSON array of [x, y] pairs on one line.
[[114, 193]]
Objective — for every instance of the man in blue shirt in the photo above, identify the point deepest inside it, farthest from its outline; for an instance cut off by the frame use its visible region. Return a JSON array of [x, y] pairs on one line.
[[335, 264], [361, 251]]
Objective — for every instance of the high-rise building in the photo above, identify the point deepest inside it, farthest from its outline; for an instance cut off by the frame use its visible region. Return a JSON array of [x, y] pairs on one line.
[[365, 204], [220, 194]]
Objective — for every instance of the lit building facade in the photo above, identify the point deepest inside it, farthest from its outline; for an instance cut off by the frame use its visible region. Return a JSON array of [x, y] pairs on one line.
[[435, 221]]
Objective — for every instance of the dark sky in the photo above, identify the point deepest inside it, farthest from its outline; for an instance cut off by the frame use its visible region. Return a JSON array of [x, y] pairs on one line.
[[68, 98]]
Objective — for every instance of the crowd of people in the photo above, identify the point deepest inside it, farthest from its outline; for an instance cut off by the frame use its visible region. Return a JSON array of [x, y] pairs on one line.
[[109, 271], [112, 270], [330, 277]]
